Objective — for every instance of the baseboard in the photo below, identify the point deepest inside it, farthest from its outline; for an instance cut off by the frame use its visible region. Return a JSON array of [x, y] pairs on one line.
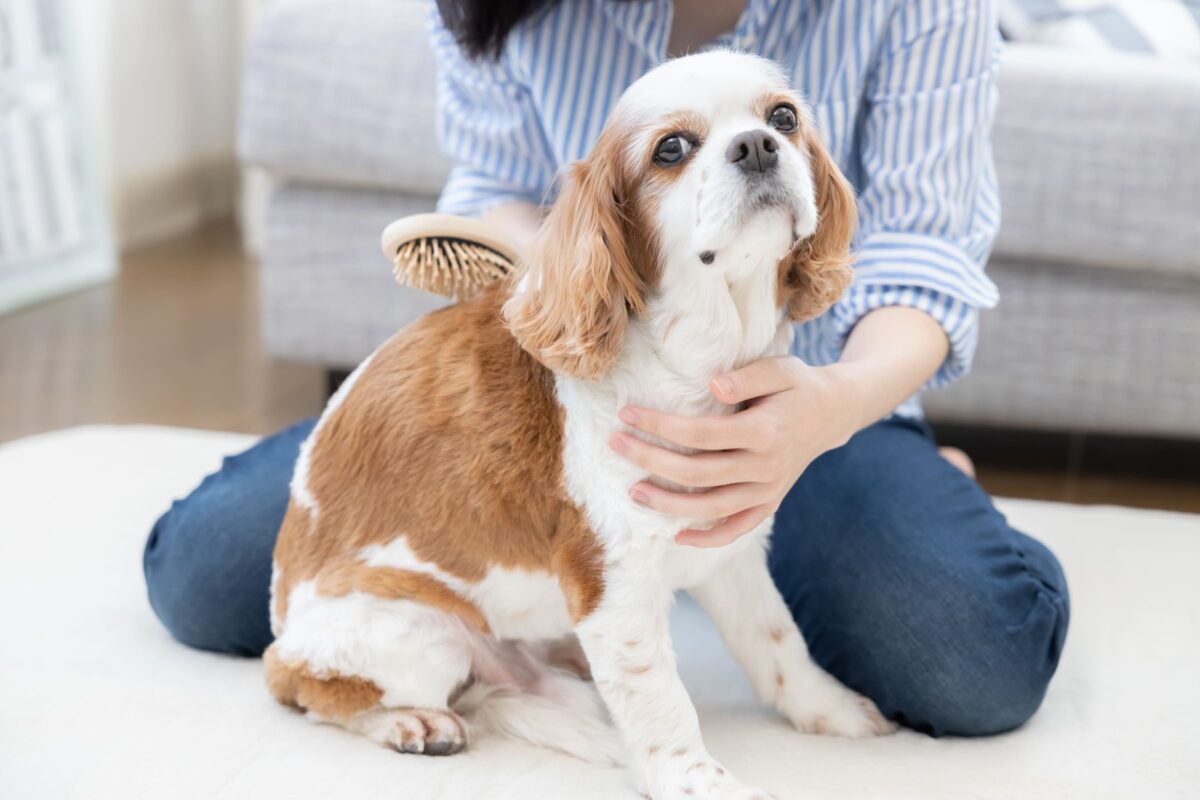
[[165, 204]]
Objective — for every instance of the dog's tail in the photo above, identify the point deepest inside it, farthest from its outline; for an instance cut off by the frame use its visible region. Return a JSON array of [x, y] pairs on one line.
[[563, 713]]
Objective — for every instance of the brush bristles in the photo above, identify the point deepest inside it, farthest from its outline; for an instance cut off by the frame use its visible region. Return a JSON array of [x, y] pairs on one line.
[[455, 268]]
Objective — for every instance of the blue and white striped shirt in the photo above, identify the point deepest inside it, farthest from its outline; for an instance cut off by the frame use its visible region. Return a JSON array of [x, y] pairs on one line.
[[903, 93]]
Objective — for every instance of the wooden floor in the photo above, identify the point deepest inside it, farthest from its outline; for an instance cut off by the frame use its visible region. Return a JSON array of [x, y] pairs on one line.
[[174, 341]]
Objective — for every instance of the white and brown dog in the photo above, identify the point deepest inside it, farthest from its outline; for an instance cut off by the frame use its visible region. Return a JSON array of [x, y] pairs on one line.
[[457, 517]]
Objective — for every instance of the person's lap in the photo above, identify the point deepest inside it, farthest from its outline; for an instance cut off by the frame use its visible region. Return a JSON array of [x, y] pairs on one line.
[[912, 588], [907, 583]]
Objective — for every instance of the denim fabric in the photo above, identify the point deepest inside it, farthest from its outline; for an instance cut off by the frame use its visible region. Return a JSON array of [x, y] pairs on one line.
[[908, 584], [912, 588]]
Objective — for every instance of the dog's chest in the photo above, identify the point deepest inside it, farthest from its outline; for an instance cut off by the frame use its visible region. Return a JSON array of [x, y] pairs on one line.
[[683, 567]]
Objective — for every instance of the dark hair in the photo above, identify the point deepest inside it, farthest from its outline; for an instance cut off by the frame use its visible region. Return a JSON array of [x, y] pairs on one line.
[[481, 26]]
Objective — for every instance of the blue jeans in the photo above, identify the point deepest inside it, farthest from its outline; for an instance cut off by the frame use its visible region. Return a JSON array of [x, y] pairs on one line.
[[908, 584]]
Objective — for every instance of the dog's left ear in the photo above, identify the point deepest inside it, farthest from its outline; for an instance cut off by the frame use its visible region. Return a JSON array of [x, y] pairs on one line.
[[579, 284], [815, 273]]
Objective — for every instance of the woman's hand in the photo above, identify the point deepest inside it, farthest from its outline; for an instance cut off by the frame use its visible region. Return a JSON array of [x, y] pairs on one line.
[[748, 460]]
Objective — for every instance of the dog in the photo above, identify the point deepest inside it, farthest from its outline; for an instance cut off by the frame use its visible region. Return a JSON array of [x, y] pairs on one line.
[[460, 539]]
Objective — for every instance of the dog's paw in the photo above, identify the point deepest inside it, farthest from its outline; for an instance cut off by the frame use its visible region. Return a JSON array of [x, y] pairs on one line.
[[422, 731], [835, 710], [702, 778]]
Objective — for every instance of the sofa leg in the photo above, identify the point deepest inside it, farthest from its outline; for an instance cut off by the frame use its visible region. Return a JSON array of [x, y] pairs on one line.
[[334, 379]]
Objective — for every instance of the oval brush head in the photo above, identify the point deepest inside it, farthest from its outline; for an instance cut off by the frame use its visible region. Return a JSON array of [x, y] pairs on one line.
[[447, 255]]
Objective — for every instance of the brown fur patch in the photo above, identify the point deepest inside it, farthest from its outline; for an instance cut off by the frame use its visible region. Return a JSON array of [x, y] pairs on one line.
[[331, 696], [591, 265], [816, 272], [452, 438], [399, 584]]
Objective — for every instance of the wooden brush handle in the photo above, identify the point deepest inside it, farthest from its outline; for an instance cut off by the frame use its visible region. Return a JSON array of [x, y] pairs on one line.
[[446, 226]]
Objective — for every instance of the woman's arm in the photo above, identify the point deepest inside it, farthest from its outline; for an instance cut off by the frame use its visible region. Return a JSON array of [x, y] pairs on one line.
[[891, 353], [747, 464]]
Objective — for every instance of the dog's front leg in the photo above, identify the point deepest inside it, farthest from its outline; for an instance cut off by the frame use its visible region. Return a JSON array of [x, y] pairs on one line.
[[758, 628], [628, 644]]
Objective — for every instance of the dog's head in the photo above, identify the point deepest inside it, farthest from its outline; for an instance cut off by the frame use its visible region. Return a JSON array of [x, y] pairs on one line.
[[708, 163]]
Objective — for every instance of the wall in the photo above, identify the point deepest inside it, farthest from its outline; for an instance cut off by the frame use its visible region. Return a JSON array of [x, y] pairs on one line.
[[162, 84]]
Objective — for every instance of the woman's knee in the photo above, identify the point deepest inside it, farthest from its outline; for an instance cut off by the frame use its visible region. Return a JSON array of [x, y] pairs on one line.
[[949, 631], [183, 580], [208, 581], [208, 559], [979, 676]]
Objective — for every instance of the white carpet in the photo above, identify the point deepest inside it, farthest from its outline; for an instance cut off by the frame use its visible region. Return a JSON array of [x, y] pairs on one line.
[[97, 701]]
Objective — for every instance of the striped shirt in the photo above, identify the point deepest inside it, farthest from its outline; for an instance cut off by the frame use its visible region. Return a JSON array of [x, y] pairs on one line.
[[903, 93]]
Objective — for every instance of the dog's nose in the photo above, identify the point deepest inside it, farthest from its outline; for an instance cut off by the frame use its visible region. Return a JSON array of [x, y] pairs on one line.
[[753, 151]]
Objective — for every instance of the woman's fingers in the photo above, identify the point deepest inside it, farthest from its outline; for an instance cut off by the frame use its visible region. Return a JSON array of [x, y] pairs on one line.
[[728, 531], [698, 470], [725, 432], [722, 501], [756, 379]]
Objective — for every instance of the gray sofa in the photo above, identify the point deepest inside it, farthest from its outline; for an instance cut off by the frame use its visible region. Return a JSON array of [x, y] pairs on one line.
[[1098, 261]]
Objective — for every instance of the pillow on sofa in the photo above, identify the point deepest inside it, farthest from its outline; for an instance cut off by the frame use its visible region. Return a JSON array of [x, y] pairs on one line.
[[1166, 28]]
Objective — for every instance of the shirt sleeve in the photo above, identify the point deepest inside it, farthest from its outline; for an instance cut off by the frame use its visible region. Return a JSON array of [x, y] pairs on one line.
[[488, 126], [929, 206]]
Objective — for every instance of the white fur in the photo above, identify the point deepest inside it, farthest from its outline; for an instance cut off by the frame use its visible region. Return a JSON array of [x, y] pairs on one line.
[[517, 603], [416, 654], [563, 713], [276, 622], [702, 320]]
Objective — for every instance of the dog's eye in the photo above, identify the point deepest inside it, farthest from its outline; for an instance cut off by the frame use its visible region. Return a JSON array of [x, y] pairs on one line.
[[672, 150], [783, 118]]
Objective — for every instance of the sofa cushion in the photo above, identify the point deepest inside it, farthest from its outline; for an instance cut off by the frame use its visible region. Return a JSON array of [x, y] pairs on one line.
[[99, 702], [1096, 160], [1160, 28], [328, 294], [343, 93]]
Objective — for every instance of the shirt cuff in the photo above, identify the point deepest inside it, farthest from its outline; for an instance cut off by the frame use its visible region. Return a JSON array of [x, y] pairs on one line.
[[958, 319], [930, 262], [468, 193]]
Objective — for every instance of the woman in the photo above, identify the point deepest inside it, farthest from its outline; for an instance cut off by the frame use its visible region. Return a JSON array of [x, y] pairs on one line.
[[907, 583]]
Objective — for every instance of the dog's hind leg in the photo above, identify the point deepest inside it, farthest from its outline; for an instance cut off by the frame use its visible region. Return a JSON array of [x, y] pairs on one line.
[[384, 668]]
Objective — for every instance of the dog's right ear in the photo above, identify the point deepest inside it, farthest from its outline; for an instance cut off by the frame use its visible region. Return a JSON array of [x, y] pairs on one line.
[[578, 285]]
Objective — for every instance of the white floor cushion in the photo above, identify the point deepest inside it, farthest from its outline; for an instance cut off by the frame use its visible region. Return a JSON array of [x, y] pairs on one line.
[[97, 701]]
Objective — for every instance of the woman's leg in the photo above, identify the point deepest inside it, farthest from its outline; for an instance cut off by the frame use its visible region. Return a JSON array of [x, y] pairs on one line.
[[912, 588], [208, 559]]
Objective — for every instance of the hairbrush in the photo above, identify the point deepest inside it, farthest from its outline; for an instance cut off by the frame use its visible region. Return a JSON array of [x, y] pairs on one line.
[[447, 255]]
